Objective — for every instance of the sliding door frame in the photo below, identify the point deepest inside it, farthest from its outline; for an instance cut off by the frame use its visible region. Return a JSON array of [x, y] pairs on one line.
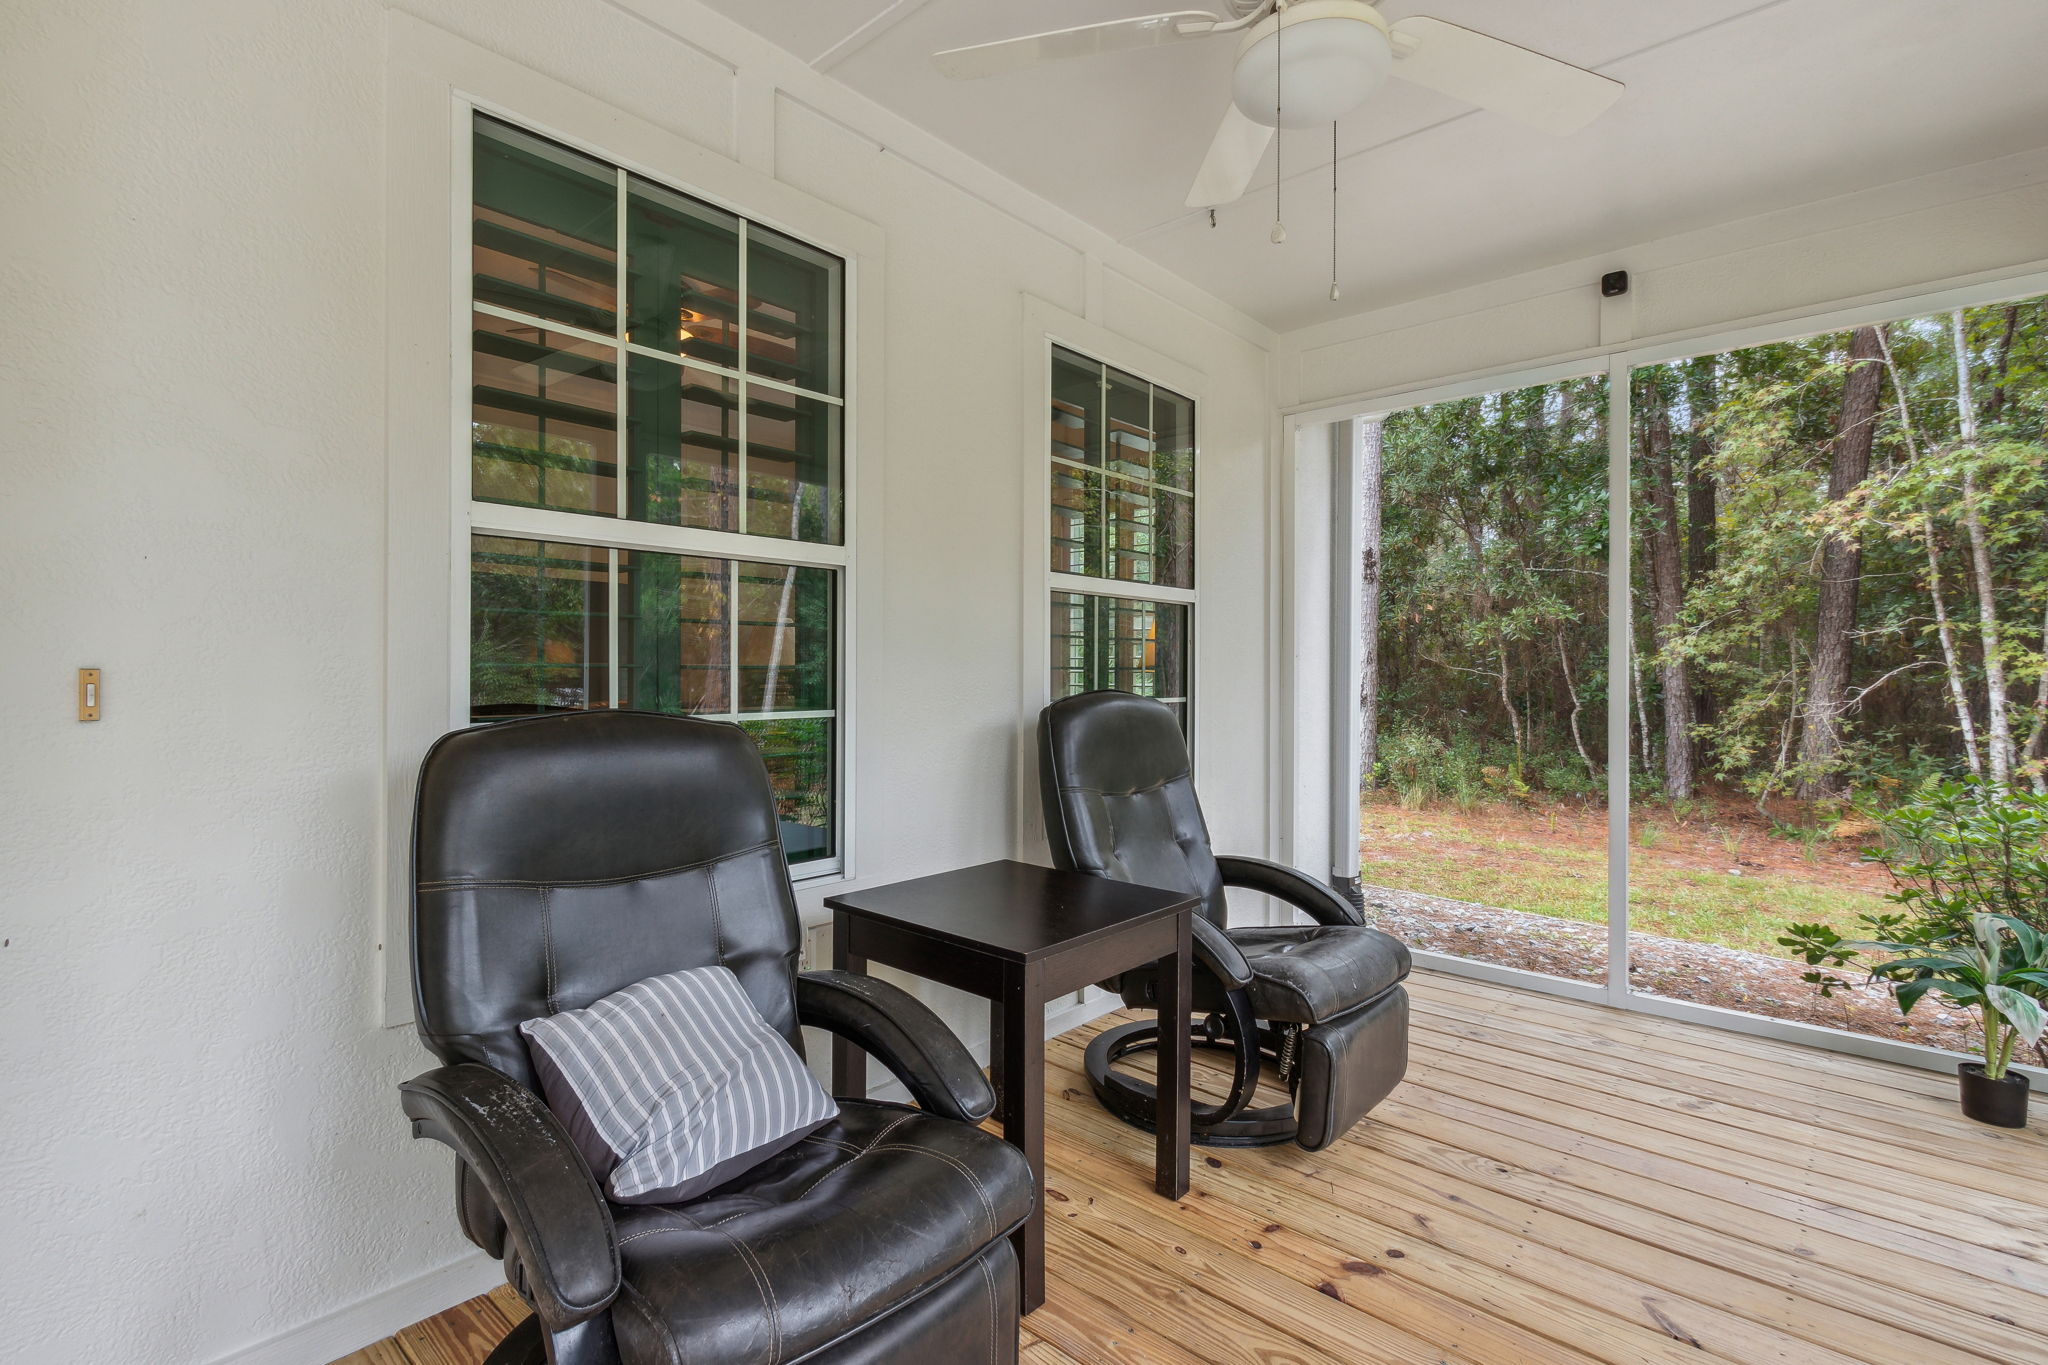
[[1618, 363]]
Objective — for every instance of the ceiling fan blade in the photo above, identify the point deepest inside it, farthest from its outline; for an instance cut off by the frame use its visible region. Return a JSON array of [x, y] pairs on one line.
[[1011, 54], [1233, 158], [1552, 95]]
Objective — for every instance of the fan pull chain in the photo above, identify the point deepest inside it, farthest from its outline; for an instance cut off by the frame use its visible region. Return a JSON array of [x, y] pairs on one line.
[[1279, 233], [1333, 213]]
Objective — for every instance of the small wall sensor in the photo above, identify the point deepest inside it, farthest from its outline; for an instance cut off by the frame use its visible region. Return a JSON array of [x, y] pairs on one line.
[[1614, 284]]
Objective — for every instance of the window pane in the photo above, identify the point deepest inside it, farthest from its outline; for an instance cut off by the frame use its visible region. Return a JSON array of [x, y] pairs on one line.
[[793, 318], [1129, 449], [544, 418], [1173, 437], [1076, 520], [1120, 643], [545, 228], [1076, 408], [798, 755], [539, 628], [1483, 819], [785, 638], [793, 467], [682, 274], [1815, 519], [682, 442], [674, 630], [1173, 539]]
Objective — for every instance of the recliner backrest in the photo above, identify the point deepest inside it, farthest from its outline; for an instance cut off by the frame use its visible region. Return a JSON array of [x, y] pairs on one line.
[[562, 858], [1119, 796]]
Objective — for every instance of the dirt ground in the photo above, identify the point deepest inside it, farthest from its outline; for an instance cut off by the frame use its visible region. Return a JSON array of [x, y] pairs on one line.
[[1707, 974], [1724, 856]]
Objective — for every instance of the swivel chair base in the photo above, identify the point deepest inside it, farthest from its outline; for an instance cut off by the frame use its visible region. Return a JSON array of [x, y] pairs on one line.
[[1136, 1102], [522, 1346]]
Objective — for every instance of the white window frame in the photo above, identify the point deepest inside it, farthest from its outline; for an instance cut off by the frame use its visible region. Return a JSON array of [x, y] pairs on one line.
[[1045, 327], [618, 532], [1617, 363], [435, 84]]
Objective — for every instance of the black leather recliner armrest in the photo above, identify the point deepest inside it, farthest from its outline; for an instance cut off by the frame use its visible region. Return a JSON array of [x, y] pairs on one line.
[[1215, 951], [555, 1215], [898, 1029], [1298, 889]]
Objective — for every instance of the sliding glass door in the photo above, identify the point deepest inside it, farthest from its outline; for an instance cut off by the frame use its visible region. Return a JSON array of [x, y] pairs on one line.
[[1830, 591]]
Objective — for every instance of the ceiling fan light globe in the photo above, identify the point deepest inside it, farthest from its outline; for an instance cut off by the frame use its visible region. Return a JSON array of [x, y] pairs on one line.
[[1337, 54]]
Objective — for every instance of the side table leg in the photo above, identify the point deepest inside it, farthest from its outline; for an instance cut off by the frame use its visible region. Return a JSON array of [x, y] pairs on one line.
[[1023, 1111], [995, 1051], [849, 1063], [1170, 1157]]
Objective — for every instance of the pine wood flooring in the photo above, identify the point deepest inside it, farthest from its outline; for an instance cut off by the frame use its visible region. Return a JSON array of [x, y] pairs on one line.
[[1555, 1183]]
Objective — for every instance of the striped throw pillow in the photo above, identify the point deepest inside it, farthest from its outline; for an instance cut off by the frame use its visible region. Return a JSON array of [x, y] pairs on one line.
[[674, 1085]]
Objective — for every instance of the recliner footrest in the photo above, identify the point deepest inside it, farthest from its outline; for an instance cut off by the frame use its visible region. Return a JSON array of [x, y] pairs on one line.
[[1348, 1065]]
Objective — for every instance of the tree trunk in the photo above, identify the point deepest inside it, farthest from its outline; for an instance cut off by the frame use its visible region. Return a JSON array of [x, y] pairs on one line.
[[1998, 724], [2036, 754], [1646, 745], [1507, 702], [1667, 594], [1958, 691], [1371, 441], [1841, 572], [1702, 497], [1564, 661]]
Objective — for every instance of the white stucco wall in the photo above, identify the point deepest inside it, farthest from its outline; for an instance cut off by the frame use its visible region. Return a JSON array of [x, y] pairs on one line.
[[200, 1143]]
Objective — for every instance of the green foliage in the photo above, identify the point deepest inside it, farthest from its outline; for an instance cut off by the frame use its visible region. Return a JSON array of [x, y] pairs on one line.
[[1997, 966], [1970, 864], [1962, 847], [1493, 563]]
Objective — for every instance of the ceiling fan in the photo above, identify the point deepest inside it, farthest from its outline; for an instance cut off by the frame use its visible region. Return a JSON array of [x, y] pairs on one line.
[[1302, 63]]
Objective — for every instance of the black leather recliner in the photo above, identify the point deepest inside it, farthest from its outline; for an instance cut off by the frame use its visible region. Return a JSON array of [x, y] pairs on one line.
[[561, 858], [1324, 1003]]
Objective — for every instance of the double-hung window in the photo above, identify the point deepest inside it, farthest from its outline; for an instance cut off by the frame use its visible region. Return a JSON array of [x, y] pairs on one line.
[[656, 464], [1122, 458]]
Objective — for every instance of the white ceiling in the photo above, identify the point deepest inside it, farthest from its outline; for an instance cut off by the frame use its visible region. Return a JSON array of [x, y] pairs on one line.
[[1733, 108]]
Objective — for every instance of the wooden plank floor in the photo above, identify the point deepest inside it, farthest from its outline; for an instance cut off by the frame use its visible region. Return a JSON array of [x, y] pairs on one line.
[[1554, 1183]]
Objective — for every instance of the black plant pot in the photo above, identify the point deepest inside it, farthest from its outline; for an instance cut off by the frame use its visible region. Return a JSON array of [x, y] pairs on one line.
[[2001, 1103]]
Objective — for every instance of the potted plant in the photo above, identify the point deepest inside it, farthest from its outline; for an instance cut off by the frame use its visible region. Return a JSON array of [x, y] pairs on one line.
[[1970, 860], [1989, 969]]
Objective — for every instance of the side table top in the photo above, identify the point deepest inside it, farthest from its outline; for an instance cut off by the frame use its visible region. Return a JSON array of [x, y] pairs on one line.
[[1012, 910]]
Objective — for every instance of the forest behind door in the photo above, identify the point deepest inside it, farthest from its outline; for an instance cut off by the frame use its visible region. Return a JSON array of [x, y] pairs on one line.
[[1839, 590]]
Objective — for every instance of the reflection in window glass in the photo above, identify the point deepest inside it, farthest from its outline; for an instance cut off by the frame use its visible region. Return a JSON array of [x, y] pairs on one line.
[[544, 230], [1076, 520], [539, 627], [1137, 524], [708, 401], [1122, 644], [675, 633], [544, 418], [682, 275], [683, 442], [799, 755], [793, 311], [785, 638], [793, 464]]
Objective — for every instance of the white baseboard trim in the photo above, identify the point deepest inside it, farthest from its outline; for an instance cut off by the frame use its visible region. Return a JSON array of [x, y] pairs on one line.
[[385, 1312], [372, 1319]]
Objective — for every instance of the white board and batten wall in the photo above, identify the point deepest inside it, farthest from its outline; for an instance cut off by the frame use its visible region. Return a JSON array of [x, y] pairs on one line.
[[230, 252]]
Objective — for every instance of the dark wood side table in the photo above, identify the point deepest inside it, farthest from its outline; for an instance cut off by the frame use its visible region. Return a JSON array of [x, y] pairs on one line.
[[1020, 935]]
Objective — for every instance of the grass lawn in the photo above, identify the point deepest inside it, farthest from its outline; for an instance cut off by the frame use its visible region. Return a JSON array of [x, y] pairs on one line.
[[1715, 878]]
